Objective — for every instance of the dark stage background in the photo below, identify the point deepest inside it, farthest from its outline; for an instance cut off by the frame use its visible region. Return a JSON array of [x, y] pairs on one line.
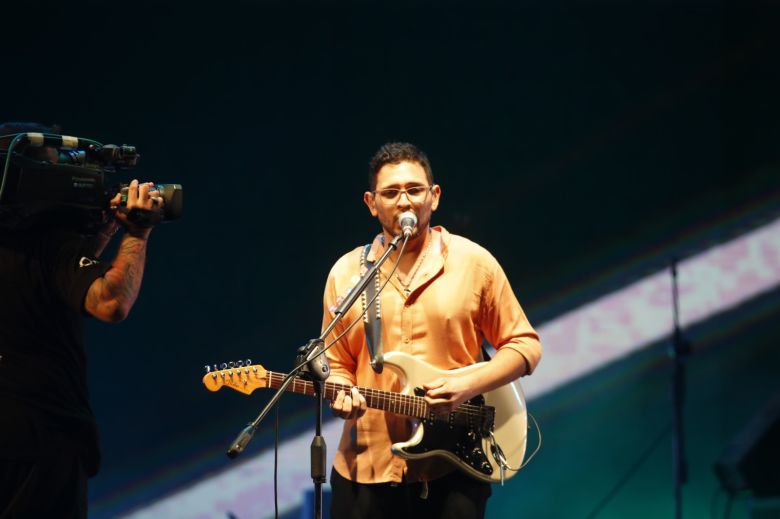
[[583, 143]]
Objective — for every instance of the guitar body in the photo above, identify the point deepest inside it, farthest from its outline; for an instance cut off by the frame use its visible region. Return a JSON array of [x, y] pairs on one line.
[[467, 446]]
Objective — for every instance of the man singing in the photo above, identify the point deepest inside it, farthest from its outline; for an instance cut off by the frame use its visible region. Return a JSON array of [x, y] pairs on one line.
[[445, 298]]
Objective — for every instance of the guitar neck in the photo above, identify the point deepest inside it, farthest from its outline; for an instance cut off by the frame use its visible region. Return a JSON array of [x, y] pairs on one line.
[[248, 378], [396, 403], [389, 401]]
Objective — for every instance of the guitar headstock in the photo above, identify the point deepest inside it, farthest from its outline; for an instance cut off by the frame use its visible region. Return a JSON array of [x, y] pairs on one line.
[[240, 376]]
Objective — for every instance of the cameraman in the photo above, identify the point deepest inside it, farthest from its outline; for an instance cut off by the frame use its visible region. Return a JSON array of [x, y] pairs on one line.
[[51, 277]]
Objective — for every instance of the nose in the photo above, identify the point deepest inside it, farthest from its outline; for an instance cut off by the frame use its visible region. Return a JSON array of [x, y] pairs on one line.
[[403, 199]]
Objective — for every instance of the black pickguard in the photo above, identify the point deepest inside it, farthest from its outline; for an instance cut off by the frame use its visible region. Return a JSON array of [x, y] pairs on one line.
[[464, 440]]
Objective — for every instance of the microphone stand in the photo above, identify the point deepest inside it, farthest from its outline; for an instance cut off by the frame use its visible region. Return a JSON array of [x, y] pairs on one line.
[[680, 351], [314, 365]]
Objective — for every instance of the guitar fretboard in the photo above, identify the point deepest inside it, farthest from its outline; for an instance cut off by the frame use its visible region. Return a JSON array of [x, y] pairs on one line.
[[397, 403]]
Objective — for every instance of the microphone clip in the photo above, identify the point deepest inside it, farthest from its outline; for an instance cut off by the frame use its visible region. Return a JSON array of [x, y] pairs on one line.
[[317, 366]]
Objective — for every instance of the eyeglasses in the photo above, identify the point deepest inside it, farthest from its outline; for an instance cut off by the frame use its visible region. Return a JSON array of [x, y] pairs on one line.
[[414, 193]]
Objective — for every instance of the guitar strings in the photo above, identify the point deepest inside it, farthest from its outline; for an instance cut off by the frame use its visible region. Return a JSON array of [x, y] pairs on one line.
[[421, 408], [408, 401]]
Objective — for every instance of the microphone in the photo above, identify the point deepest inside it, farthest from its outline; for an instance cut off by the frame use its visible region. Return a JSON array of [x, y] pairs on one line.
[[407, 220]]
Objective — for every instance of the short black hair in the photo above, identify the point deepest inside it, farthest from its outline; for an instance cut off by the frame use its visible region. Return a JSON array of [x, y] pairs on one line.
[[395, 153]]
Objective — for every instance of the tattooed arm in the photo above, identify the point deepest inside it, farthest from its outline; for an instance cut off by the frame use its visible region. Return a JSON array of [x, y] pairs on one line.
[[111, 297]]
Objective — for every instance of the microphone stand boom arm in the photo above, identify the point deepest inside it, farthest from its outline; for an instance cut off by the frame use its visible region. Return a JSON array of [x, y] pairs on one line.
[[311, 359]]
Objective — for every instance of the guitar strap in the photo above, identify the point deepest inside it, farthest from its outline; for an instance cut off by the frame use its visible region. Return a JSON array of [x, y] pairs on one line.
[[372, 320]]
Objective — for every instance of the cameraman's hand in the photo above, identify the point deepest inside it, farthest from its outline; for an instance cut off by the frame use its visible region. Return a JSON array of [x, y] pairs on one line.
[[139, 196]]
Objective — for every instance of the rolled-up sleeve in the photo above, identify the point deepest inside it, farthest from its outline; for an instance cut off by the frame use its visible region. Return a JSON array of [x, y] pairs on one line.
[[504, 322]]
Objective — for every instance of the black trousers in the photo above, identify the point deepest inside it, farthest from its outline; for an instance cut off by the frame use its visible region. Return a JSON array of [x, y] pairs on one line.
[[455, 496], [41, 470], [46, 487]]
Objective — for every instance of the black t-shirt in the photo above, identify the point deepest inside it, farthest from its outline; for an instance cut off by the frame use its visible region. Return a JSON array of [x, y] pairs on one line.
[[44, 278]]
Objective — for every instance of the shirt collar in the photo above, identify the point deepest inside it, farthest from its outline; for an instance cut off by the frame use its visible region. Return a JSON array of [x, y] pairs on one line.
[[440, 246]]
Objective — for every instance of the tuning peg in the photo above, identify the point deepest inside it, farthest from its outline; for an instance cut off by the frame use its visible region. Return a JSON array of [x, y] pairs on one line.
[[229, 366]]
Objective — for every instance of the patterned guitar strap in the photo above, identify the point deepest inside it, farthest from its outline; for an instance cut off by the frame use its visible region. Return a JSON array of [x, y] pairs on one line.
[[372, 320]]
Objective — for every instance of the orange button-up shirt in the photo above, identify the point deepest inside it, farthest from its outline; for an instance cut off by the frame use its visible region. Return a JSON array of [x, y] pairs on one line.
[[459, 297]]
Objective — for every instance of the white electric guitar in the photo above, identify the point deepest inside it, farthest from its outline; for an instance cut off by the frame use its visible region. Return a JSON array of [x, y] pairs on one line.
[[485, 437]]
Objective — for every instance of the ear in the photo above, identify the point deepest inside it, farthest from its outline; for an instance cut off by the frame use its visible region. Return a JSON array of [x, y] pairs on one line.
[[369, 200], [435, 195]]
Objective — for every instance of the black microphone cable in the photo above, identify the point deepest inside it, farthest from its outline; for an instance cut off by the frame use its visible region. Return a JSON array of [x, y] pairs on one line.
[[276, 460]]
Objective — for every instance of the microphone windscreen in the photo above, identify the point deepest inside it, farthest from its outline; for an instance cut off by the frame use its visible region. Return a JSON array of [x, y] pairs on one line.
[[407, 219]]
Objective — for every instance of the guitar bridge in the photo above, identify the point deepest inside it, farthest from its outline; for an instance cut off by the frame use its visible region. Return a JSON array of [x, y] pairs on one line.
[[487, 420]]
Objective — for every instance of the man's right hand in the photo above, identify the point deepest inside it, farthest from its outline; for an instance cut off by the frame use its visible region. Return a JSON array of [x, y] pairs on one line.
[[350, 405], [139, 196]]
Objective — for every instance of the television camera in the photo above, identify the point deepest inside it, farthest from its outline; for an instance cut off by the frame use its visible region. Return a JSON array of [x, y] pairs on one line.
[[47, 175]]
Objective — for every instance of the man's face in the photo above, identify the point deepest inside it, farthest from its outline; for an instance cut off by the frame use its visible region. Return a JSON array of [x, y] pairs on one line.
[[403, 176]]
